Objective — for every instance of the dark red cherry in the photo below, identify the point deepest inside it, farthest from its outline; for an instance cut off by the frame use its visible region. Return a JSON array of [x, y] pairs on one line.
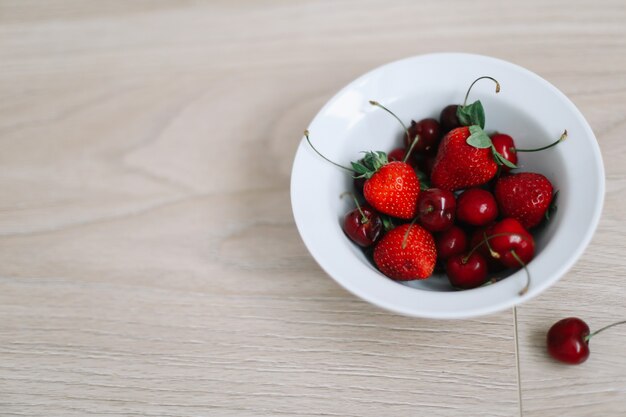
[[476, 207], [450, 243], [466, 271], [505, 146], [397, 154], [363, 226], [435, 209], [477, 240], [426, 164], [514, 246], [568, 341], [429, 133], [448, 118]]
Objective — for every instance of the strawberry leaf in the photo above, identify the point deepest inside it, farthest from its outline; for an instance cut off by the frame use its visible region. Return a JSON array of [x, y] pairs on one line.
[[553, 206], [471, 114], [424, 182], [478, 138], [501, 160], [387, 223], [370, 164]]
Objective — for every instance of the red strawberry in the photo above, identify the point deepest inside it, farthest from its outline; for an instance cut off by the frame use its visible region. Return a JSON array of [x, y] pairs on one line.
[[391, 187], [406, 253], [460, 165], [525, 197]]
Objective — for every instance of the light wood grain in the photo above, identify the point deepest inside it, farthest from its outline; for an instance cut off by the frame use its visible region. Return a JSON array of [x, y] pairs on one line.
[[149, 264]]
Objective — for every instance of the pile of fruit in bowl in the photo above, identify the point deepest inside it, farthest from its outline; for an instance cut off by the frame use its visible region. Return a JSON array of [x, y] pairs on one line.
[[451, 198]]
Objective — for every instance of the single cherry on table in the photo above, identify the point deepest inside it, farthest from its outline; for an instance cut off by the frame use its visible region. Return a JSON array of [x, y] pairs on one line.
[[568, 340]]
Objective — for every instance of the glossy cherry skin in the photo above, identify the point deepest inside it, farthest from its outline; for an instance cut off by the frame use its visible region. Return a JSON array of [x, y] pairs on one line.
[[435, 209], [510, 236], [505, 146], [364, 229], [429, 132], [450, 243], [476, 207], [567, 341], [448, 118], [397, 154], [466, 273]]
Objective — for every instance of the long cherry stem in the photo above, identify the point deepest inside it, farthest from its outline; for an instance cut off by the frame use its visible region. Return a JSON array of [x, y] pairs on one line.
[[589, 336], [306, 135], [486, 241], [527, 286], [406, 130], [475, 81], [364, 218], [406, 234], [559, 140]]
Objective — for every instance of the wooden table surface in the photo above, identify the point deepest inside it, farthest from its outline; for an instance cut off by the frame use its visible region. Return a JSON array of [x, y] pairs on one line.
[[149, 262]]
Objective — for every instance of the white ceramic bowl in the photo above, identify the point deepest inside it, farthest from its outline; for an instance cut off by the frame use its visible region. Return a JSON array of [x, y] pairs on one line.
[[528, 108]]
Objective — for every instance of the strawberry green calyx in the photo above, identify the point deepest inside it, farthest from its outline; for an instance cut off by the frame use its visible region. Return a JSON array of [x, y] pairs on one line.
[[480, 139], [474, 114], [370, 164]]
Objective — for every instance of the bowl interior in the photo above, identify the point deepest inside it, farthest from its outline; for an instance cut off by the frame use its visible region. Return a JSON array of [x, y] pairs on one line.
[[528, 108]]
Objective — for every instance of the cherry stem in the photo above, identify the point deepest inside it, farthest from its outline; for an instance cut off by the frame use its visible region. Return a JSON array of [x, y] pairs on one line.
[[559, 140], [306, 135], [475, 81], [589, 336], [525, 289], [406, 234], [486, 241], [406, 130], [408, 153], [364, 218]]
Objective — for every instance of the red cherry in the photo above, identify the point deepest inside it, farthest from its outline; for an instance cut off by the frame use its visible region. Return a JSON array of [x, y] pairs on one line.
[[493, 264], [397, 154], [450, 243], [505, 146], [363, 226], [466, 271], [512, 243], [429, 133], [435, 209], [448, 118], [568, 341], [477, 207]]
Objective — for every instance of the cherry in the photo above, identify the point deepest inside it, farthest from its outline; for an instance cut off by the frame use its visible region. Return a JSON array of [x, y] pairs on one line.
[[467, 271], [476, 207], [448, 118], [359, 183], [511, 243], [435, 209], [568, 340], [363, 225], [478, 241], [505, 146], [450, 243], [397, 154], [429, 133]]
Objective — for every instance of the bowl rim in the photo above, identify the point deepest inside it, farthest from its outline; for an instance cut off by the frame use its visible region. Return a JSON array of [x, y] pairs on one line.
[[353, 286]]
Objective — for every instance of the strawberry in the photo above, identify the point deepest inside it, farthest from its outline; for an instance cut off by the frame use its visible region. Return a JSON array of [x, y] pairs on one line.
[[460, 165], [525, 197], [391, 187], [405, 253]]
